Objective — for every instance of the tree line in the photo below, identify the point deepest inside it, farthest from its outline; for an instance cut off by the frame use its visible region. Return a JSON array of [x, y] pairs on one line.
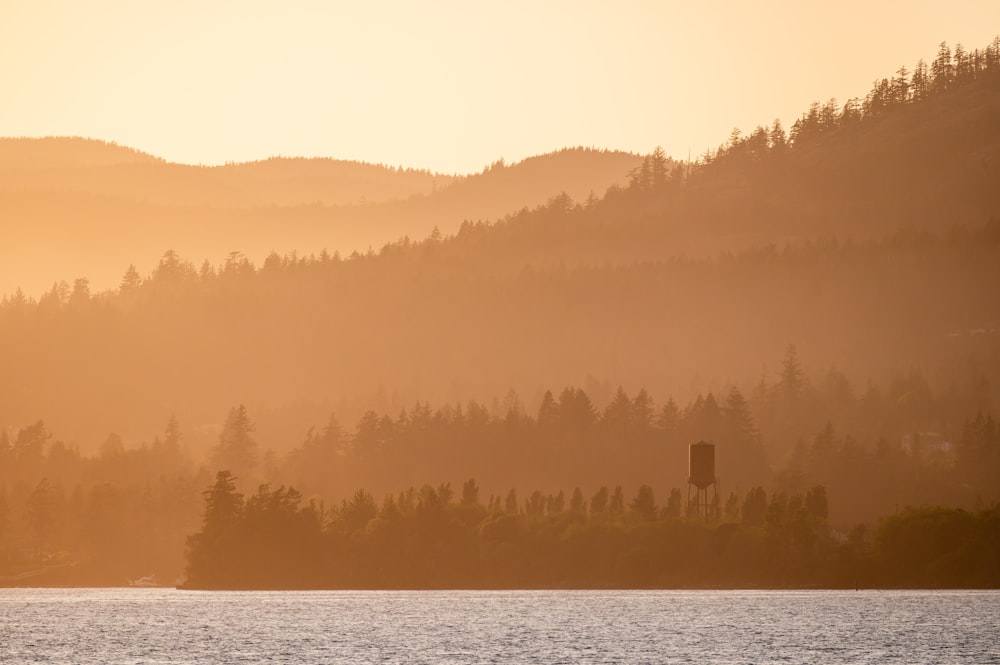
[[948, 71], [430, 538], [127, 509], [254, 332]]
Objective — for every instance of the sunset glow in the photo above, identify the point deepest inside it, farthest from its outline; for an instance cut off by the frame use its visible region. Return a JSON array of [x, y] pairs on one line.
[[446, 86], [510, 310]]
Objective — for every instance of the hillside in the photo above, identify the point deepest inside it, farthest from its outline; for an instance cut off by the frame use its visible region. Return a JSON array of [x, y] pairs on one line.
[[684, 280], [888, 162], [925, 164], [60, 196], [297, 338]]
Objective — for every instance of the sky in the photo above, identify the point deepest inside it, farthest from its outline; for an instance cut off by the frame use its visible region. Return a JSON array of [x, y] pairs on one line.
[[448, 86]]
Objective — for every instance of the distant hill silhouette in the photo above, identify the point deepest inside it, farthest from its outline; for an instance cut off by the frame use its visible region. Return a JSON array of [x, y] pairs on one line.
[[93, 167], [54, 152], [61, 191]]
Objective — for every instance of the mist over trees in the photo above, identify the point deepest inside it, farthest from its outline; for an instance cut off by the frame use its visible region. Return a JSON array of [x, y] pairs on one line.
[[127, 511], [300, 337], [63, 192], [821, 303], [870, 242]]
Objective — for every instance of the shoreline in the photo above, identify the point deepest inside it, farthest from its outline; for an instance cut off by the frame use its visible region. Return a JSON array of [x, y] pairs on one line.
[[428, 589]]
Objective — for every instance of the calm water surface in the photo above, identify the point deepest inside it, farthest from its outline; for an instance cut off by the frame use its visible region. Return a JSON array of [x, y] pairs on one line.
[[167, 626]]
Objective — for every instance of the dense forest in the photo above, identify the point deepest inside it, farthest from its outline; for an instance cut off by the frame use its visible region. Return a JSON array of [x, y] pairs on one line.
[[608, 289], [821, 304], [431, 539], [300, 337], [68, 518]]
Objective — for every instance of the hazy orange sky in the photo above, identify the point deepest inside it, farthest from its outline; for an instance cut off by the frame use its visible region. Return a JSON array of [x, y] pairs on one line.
[[449, 86]]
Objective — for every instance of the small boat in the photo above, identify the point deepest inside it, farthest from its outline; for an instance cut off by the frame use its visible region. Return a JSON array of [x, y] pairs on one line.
[[145, 582]]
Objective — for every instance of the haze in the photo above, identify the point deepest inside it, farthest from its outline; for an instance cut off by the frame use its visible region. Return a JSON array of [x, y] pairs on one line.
[[446, 86], [498, 358]]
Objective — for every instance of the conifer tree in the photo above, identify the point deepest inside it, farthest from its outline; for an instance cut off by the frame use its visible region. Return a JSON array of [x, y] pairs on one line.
[[237, 450]]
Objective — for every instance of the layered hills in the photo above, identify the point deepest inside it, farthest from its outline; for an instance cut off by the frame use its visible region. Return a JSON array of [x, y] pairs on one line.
[[81, 208], [819, 301], [862, 236]]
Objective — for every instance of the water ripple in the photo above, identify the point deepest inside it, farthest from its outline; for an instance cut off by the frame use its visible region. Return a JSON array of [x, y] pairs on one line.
[[727, 627]]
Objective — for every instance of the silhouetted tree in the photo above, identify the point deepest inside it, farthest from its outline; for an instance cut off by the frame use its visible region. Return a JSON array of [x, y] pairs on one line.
[[754, 507], [130, 281], [599, 502], [236, 450], [470, 493]]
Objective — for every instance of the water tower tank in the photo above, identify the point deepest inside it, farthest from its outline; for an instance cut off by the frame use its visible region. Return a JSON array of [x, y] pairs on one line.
[[701, 464]]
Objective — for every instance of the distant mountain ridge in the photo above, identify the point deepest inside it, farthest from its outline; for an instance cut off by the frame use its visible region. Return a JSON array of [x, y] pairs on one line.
[[60, 194], [96, 167], [66, 151]]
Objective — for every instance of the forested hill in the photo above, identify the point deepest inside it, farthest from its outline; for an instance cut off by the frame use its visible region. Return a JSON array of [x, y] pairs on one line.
[[646, 287], [919, 153], [57, 194], [300, 337]]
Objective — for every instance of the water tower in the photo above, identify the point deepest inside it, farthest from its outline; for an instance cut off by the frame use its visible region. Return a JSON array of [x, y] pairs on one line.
[[701, 476]]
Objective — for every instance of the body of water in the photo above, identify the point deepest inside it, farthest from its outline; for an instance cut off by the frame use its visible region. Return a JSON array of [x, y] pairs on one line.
[[169, 626]]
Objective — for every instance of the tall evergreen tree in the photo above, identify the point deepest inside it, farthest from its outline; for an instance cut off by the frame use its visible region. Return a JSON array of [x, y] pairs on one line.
[[237, 450]]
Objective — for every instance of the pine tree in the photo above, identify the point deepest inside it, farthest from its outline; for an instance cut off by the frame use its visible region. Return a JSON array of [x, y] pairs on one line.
[[792, 380], [777, 139], [942, 70], [901, 86], [739, 423], [920, 81], [658, 169], [130, 281], [210, 551], [599, 502], [962, 64], [644, 503], [172, 434], [236, 451]]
